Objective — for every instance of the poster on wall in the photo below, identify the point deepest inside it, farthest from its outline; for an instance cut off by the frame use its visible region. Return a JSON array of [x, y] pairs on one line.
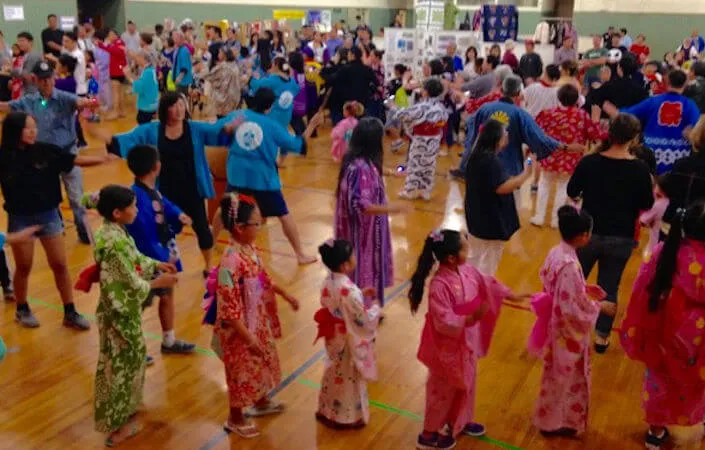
[[402, 46], [429, 15], [320, 20], [13, 13], [67, 23]]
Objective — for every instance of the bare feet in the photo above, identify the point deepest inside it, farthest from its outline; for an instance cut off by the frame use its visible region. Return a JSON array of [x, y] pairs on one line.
[[127, 431]]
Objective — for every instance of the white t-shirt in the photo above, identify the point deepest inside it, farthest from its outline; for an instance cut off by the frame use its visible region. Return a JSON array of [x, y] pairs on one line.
[[538, 97], [80, 73], [132, 41]]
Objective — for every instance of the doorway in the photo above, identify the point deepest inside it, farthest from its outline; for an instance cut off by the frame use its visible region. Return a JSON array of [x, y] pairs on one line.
[[105, 13]]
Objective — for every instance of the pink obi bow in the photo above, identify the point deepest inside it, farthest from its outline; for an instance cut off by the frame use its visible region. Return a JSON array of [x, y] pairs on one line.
[[326, 324], [541, 305]]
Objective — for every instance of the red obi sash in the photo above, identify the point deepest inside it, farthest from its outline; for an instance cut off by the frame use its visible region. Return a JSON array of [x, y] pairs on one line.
[[87, 277], [326, 324], [429, 128]]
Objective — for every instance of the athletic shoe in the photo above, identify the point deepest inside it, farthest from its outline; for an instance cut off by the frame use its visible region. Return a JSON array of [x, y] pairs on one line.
[[26, 319], [474, 429], [179, 347], [76, 321], [654, 442]]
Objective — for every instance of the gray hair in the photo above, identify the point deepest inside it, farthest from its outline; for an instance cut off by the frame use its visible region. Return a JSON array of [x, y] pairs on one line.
[[503, 71], [511, 86]]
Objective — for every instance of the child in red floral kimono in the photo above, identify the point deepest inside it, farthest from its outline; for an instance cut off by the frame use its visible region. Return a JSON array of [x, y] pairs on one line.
[[463, 307], [561, 334], [247, 321], [665, 326]]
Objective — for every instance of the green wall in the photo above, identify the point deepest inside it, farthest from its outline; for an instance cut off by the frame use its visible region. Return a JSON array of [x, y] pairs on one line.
[[35, 15], [146, 14]]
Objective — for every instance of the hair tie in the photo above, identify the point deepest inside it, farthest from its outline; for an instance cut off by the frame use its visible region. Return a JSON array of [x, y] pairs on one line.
[[234, 205], [329, 243], [437, 235], [247, 199]]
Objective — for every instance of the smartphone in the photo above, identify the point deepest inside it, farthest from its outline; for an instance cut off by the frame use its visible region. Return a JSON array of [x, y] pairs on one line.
[[401, 168]]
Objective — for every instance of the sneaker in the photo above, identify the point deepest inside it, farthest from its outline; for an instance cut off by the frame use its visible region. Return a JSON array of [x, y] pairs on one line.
[[434, 442], [562, 432], [179, 347], [534, 188], [148, 361], [474, 429], [654, 442], [76, 321], [9, 295], [536, 221], [26, 319], [458, 174]]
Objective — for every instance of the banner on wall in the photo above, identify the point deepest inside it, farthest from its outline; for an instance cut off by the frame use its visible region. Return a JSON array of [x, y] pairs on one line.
[[67, 23], [13, 12], [320, 20], [430, 15], [279, 14]]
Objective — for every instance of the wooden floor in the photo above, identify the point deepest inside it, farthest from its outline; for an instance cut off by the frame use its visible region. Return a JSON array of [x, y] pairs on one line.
[[46, 381]]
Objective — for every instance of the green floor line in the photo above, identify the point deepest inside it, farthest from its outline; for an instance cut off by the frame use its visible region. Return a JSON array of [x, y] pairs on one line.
[[301, 381]]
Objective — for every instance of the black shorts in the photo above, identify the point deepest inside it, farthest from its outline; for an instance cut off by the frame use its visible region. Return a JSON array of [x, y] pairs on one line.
[[270, 203], [145, 117], [120, 78]]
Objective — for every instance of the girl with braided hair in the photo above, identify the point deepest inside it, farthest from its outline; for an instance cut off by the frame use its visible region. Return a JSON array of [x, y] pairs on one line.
[[247, 321]]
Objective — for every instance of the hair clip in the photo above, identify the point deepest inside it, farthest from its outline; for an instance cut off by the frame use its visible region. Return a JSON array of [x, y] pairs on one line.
[[437, 235], [681, 212], [234, 205], [482, 127], [329, 243], [246, 199]]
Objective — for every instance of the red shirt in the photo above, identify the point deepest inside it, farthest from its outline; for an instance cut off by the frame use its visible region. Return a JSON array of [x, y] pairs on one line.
[[511, 60], [569, 125], [475, 103], [642, 52], [118, 58]]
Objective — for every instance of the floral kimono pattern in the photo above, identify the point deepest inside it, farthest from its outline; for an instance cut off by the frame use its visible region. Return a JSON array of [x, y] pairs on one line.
[[362, 185], [669, 341], [244, 293], [424, 124], [124, 285], [450, 348], [350, 347], [565, 385], [225, 83]]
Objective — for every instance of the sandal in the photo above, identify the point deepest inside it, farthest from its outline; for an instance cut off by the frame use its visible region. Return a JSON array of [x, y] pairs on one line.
[[654, 442], [133, 429], [273, 407], [601, 348], [246, 430]]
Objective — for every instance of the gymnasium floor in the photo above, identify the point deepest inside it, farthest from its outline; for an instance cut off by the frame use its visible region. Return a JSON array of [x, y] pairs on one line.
[[46, 381]]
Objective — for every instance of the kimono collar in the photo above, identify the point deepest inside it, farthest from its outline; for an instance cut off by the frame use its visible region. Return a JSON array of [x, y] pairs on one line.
[[568, 249], [338, 276], [110, 224], [544, 84]]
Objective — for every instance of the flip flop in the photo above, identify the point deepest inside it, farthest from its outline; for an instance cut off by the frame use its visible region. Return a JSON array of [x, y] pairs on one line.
[[245, 431], [272, 407], [134, 429]]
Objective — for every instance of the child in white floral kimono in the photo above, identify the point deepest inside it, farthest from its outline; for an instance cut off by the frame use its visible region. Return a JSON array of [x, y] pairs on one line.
[[125, 282], [349, 330]]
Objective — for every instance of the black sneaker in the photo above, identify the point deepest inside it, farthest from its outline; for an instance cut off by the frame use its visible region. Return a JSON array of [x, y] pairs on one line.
[[654, 442], [457, 174], [76, 321], [179, 347]]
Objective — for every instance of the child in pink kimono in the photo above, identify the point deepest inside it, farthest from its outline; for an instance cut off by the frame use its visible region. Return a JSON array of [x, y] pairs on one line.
[[561, 335], [665, 327], [341, 133], [349, 329], [463, 307], [653, 218]]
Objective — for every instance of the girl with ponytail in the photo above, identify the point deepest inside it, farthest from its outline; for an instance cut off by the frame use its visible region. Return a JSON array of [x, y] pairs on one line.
[[463, 307], [665, 327], [246, 321]]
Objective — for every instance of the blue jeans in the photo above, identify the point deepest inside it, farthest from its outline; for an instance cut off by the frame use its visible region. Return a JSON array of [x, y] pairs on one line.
[[611, 253], [50, 221], [73, 183]]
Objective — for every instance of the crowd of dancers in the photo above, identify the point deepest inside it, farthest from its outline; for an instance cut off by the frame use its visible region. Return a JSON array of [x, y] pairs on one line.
[[623, 142]]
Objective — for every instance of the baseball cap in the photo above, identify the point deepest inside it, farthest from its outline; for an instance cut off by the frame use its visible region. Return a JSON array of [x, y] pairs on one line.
[[43, 70]]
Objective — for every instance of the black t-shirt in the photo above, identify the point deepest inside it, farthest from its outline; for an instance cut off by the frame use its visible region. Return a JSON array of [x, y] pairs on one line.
[[696, 92], [177, 179], [622, 92], [30, 178], [489, 215], [614, 192], [49, 35]]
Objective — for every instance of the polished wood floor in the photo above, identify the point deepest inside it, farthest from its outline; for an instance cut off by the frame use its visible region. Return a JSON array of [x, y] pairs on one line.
[[46, 381]]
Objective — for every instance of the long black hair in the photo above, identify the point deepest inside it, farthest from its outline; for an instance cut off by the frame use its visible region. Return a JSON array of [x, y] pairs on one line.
[[491, 132], [365, 143], [167, 100], [689, 225], [439, 246], [296, 61], [264, 51], [12, 128]]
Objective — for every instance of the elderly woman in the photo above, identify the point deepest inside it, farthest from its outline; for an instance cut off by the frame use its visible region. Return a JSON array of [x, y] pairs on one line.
[[225, 83]]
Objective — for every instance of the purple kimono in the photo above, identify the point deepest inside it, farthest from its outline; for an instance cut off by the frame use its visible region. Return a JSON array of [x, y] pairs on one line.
[[360, 187], [102, 62], [300, 103]]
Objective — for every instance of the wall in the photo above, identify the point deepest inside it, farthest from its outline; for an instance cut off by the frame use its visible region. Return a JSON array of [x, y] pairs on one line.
[[35, 15], [148, 13]]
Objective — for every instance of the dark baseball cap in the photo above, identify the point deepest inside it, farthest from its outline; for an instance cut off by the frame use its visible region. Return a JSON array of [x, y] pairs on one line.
[[43, 70]]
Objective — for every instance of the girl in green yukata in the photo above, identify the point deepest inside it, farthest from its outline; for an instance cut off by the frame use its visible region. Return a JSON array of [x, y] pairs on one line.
[[125, 282]]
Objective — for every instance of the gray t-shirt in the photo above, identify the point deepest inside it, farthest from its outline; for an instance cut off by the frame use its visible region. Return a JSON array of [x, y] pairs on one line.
[[482, 85], [565, 54], [31, 59]]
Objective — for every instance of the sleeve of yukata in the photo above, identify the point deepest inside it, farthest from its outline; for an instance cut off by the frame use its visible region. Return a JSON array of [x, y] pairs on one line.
[[286, 140], [359, 181], [133, 284], [533, 136], [229, 296], [171, 214], [362, 321], [140, 135], [579, 311], [440, 308], [641, 110]]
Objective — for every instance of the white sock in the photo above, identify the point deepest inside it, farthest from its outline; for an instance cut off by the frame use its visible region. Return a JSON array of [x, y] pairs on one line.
[[169, 338]]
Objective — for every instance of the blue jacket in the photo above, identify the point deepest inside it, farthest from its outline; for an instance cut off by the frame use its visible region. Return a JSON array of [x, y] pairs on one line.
[[182, 60], [252, 156], [144, 230], [202, 134], [147, 90], [284, 91], [522, 129]]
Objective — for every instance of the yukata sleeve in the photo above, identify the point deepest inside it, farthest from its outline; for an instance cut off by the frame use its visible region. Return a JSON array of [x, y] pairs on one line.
[[142, 135], [127, 287], [361, 329], [211, 134], [641, 110], [541, 144], [440, 309], [579, 311], [229, 295], [358, 181]]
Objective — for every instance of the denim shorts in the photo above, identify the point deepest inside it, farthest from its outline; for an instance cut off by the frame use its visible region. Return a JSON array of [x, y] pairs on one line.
[[51, 222]]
